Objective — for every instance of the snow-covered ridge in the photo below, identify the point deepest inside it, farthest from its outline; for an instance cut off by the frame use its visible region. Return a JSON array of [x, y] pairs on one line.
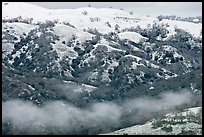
[[37, 12], [103, 19], [193, 28], [16, 9], [18, 28]]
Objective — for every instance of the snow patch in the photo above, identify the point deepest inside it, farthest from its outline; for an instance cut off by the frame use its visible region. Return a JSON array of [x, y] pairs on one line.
[[133, 36]]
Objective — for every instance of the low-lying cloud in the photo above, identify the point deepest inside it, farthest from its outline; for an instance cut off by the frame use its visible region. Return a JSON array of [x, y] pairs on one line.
[[58, 117], [165, 100]]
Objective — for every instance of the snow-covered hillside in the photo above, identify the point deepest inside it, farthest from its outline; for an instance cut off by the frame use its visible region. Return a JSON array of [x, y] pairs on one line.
[[132, 36], [84, 36], [70, 32], [103, 19], [187, 122], [193, 28], [88, 55]]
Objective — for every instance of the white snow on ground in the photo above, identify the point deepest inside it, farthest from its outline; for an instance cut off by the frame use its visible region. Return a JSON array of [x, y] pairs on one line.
[[16, 55], [7, 47], [167, 76], [113, 64], [107, 43], [19, 27], [195, 20], [193, 28], [90, 87], [10, 61], [136, 49], [79, 87], [68, 73], [194, 110], [63, 50], [137, 58], [105, 76], [66, 33], [91, 57], [177, 55], [73, 16], [16, 29], [151, 88], [100, 15], [153, 65], [135, 64], [138, 130], [24, 10], [133, 36], [93, 76], [31, 87], [146, 129], [169, 48], [76, 16]]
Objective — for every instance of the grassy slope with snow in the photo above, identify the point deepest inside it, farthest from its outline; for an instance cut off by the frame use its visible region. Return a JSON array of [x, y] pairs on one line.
[[81, 21], [100, 18], [147, 129]]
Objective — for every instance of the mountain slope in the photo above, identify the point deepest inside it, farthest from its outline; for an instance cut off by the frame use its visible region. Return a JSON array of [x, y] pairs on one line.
[[88, 55], [88, 46], [188, 122]]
